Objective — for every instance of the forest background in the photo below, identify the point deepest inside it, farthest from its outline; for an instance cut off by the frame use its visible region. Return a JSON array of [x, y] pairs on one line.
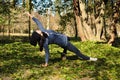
[[88, 19]]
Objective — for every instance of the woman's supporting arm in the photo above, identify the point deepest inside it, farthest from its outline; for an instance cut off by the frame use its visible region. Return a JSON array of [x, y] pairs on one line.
[[46, 52]]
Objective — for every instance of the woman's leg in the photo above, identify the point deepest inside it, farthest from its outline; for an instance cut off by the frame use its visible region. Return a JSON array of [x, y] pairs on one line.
[[63, 54], [72, 48]]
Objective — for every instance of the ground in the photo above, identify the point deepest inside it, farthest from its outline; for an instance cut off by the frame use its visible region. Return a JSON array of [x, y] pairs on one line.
[[21, 61]]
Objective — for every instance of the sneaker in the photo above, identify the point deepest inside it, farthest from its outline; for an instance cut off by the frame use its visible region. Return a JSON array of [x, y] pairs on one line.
[[63, 56], [93, 59]]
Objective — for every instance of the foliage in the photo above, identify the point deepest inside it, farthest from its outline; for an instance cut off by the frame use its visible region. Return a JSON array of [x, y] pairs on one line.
[[42, 6], [21, 61], [4, 11], [65, 10], [66, 19], [64, 6]]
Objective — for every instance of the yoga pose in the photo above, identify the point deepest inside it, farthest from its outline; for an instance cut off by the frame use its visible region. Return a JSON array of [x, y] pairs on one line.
[[45, 37]]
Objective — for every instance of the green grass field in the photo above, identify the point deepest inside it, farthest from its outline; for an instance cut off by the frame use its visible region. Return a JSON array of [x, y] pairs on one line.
[[21, 61]]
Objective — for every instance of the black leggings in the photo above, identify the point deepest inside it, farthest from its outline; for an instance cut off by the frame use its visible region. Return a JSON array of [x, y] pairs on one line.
[[72, 48]]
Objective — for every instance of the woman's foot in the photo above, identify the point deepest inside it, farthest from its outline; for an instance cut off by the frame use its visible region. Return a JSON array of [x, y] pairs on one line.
[[93, 59], [63, 56]]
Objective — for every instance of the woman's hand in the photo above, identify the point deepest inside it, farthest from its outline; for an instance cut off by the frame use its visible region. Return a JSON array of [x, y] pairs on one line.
[[28, 14], [45, 65]]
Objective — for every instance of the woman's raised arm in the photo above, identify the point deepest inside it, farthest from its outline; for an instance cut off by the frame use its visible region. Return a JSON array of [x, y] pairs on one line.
[[39, 24]]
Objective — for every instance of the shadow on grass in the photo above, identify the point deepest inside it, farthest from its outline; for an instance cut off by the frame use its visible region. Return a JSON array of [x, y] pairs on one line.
[[6, 39], [18, 57], [74, 57], [116, 43], [23, 57], [100, 66], [22, 61], [103, 68]]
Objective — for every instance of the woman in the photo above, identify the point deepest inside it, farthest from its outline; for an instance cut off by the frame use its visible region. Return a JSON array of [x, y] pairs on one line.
[[45, 37]]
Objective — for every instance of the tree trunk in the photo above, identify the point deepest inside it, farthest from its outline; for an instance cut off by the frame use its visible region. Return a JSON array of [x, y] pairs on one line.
[[100, 22], [78, 20], [89, 27], [3, 29], [76, 30], [86, 21], [29, 24], [79, 27], [113, 34], [9, 22]]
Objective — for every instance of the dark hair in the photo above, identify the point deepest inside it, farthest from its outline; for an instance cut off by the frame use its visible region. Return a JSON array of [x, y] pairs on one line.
[[37, 38], [34, 38], [42, 40]]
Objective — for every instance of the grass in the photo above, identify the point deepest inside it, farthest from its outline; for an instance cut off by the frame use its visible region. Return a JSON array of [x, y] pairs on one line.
[[21, 61]]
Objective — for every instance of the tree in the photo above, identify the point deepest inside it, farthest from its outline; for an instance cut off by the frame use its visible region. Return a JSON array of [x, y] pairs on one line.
[[114, 20], [44, 7], [5, 15], [65, 10], [89, 26], [25, 5], [91, 18], [29, 24]]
